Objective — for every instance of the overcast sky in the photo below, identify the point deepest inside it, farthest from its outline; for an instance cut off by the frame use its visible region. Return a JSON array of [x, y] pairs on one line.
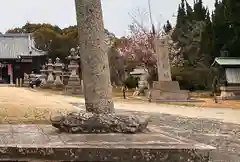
[[15, 13]]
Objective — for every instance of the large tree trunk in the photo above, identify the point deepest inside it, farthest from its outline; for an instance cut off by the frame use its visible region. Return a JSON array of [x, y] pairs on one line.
[[94, 58], [96, 80]]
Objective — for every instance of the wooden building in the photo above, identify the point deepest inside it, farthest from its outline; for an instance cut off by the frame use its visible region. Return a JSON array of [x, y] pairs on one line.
[[228, 70], [18, 55]]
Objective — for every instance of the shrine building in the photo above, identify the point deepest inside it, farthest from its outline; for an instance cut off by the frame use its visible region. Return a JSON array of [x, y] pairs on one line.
[[228, 76], [18, 55]]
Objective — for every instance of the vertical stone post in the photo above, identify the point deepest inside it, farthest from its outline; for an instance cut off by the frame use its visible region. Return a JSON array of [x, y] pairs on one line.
[[94, 58]]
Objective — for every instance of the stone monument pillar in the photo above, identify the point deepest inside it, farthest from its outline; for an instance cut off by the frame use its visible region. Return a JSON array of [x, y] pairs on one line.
[[163, 64], [74, 85], [43, 76], [50, 77], [165, 88], [58, 73]]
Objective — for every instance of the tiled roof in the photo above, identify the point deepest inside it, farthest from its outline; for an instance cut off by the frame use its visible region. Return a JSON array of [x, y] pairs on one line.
[[226, 61], [13, 45]]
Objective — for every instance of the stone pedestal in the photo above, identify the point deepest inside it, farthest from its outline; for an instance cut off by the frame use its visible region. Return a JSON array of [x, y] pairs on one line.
[[65, 77], [230, 92], [74, 84], [58, 72], [43, 143], [169, 91], [50, 77]]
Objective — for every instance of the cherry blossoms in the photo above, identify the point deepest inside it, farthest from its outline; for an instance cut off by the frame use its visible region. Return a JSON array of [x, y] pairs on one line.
[[138, 48]]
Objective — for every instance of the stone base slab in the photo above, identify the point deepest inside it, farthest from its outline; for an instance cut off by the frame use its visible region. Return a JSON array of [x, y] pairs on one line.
[[166, 85], [229, 93], [230, 88], [174, 95], [44, 143], [168, 90]]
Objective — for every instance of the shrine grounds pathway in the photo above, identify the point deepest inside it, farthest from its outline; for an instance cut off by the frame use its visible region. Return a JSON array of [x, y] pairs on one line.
[[219, 127]]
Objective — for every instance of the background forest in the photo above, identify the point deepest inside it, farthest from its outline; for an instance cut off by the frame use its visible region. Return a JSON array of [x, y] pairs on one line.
[[199, 36]]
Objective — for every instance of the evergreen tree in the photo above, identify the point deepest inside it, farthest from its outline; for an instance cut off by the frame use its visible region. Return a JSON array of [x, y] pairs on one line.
[[199, 11], [181, 20], [226, 28], [181, 16], [189, 12], [207, 41]]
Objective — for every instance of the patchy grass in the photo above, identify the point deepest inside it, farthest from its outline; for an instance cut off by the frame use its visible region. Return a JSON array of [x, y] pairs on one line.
[[35, 106], [19, 105], [201, 94], [208, 103], [205, 97], [117, 93]]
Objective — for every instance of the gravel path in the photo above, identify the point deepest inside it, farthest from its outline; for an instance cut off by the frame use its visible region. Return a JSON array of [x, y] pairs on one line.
[[222, 135]]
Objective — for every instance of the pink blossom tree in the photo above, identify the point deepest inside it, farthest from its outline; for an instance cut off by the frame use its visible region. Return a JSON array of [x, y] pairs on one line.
[[138, 48]]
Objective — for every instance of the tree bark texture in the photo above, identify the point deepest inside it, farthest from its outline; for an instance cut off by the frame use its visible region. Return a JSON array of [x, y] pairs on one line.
[[94, 58]]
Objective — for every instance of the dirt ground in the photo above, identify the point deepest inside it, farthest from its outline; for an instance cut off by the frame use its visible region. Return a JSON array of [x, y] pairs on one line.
[[204, 97], [26, 105], [208, 103]]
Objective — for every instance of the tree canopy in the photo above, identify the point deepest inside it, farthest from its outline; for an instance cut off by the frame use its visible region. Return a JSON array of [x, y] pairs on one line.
[[199, 36]]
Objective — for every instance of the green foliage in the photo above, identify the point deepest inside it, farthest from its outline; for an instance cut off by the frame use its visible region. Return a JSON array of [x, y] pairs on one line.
[[57, 42], [226, 28], [131, 82], [193, 78], [53, 39]]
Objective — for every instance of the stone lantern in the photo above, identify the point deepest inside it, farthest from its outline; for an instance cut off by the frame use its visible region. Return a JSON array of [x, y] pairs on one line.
[[58, 72], [74, 84], [50, 77], [43, 76]]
